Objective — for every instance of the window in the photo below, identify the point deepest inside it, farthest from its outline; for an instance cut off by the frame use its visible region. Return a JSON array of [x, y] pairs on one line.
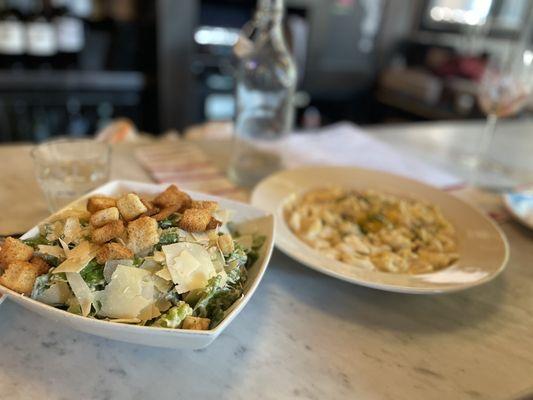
[[499, 15], [511, 14], [465, 12]]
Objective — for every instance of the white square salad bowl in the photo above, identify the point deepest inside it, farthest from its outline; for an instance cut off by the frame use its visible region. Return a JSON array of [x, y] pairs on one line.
[[247, 218]]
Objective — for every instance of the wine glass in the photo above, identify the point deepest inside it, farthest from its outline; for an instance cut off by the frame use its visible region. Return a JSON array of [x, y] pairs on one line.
[[503, 91]]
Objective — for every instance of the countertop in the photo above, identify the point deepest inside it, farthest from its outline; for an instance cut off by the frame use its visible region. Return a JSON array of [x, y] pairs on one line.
[[303, 334]]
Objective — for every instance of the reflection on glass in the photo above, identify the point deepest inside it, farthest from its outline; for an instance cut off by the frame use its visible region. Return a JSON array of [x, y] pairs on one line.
[[511, 14], [504, 15], [469, 12]]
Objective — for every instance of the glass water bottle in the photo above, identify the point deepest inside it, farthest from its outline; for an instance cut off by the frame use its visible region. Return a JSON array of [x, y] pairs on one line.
[[266, 81]]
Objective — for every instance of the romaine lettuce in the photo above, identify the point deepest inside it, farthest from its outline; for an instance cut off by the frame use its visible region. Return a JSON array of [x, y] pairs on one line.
[[93, 275], [174, 316]]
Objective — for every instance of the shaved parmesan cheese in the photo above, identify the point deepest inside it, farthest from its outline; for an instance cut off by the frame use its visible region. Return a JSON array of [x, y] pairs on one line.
[[217, 258], [82, 250], [66, 250], [80, 214], [111, 265], [212, 235], [189, 264], [163, 305], [151, 265], [56, 294], [54, 251], [149, 312], [130, 294], [223, 215], [53, 230], [246, 241], [200, 236], [164, 273], [163, 285], [77, 258], [81, 291], [159, 256], [185, 236], [71, 230], [183, 265]]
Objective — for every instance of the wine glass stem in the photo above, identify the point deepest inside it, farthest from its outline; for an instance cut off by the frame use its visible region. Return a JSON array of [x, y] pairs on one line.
[[486, 139]]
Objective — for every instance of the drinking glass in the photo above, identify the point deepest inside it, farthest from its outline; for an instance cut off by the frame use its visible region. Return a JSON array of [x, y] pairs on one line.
[[503, 91], [68, 168]]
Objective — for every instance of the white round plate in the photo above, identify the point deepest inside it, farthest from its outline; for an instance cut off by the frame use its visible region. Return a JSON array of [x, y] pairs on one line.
[[483, 249]]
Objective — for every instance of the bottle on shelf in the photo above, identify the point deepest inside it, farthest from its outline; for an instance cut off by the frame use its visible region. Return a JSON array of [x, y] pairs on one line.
[[125, 34], [41, 38], [81, 9], [70, 34], [12, 36], [98, 34]]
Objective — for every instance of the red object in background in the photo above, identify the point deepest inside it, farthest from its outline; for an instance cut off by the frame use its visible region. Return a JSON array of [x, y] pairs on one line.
[[465, 67], [444, 63], [471, 67], [345, 3]]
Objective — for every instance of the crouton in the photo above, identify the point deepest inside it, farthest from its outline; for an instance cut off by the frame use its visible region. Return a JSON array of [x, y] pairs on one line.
[[142, 234], [186, 202], [97, 203], [172, 196], [107, 232], [102, 217], [225, 244], [152, 209], [42, 266], [71, 230], [14, 250], [195, 220], [165, 213], [205, 205], [197, 323], [20, 276], [213, 224], [113, 251], [130, 206]]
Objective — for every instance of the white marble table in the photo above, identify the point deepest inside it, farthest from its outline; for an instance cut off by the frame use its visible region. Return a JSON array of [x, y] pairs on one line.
[[444, 143], [305, 335]]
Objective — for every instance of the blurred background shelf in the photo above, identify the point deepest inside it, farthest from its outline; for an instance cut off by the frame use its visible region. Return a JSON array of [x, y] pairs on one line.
[[405, 106], [72, 80], [168, 64]]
